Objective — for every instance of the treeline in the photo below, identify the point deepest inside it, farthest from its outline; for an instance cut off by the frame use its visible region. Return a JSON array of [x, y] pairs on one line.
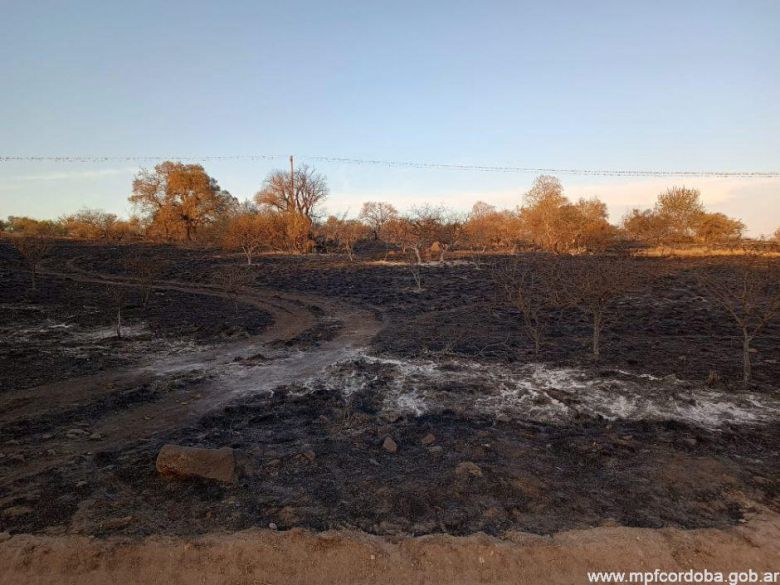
[[177, 202]]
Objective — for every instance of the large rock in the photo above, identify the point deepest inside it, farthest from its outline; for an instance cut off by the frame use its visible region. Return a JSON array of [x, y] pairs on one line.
[[184, 462]]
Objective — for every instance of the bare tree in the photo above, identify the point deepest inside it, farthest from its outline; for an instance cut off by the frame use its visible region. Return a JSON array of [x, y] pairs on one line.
[[147, 270], [529, 285], [424, 226], [416, 268], [591, 283], [233, 279], [376, 214], [301, 196], [749, 292], [118, 295], [33, 249]]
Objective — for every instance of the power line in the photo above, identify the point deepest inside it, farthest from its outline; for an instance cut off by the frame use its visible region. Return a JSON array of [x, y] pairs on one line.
[[409, 164]]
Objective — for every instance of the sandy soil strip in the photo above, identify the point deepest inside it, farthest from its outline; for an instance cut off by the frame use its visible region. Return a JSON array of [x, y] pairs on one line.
[[344, 558]]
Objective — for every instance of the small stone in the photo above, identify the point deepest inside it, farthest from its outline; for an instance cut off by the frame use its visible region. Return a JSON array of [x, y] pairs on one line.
[[309, 454], [95, 437], [272, 525], [468, 469], [503, 418], [428, 439], [389, 445], [436, 450]]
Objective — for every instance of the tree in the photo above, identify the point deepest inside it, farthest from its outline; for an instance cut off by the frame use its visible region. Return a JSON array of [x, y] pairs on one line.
[[541, 212], [480, 228], [424, 228], [309, 190], [33, 249], [147, 270], [92, 224], [117, 293], [250, 232], [28, 226], [397, 232], [749, 292], [646, 226], [345, 233], [713, 228], [590, 284], [376, 214], [529, 286], [681, 208], [177, 199], [233, 279], [555, 224]]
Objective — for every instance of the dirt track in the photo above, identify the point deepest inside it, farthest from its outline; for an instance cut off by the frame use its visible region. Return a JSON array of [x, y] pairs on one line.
[[344, 558], [293, 316]]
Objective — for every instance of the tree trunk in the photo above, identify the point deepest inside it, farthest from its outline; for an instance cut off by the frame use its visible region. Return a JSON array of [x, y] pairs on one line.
[[417, 253], [596, 335], [746, 359]]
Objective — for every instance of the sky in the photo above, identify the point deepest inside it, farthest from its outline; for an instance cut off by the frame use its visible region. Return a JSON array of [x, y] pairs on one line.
[[662, 85]]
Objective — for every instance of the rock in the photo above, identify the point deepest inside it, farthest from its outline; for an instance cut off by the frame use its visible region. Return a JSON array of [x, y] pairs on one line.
[[95, 437], [309, 455], [503, 418], [185, 462], [75, 433], [115, 523], [468, 469], [436, 450], [389, 445], [428, 439], [272, 525]]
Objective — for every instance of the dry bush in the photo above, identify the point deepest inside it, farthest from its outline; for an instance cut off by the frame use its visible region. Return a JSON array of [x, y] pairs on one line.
[[749, 292], [33, 249]]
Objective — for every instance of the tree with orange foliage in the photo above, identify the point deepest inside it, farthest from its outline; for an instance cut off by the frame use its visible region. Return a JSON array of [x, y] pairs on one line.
[[178, 198]]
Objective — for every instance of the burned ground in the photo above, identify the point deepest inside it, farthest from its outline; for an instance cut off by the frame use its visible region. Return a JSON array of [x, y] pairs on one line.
[[310, 452]]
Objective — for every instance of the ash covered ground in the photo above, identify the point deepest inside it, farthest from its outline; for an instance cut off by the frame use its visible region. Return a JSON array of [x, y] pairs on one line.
[[485, 434]]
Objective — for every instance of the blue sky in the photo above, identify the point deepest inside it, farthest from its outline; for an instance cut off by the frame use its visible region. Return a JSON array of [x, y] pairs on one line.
[[639, 85]]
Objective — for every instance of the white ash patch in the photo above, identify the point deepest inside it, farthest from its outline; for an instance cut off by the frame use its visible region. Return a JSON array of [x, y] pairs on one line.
[[541, 393]]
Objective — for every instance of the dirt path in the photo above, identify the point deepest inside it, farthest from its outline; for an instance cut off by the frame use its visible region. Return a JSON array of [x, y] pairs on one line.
[[229, 370], [345, 558]]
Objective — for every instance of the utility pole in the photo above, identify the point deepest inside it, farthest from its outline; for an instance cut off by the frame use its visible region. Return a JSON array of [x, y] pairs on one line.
[[292, 179]]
